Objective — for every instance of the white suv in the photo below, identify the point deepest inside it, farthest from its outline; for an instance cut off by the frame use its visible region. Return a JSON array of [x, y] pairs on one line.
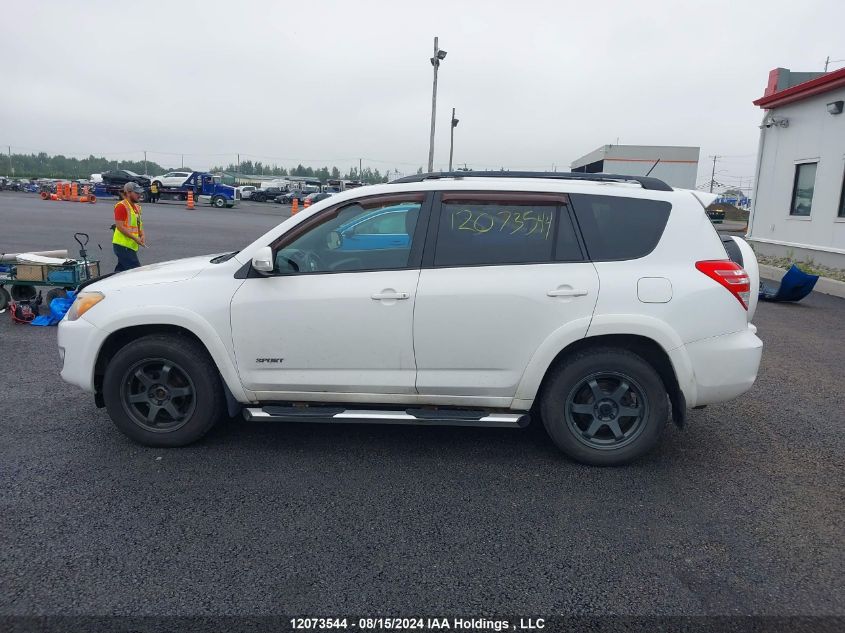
[[599, 304]]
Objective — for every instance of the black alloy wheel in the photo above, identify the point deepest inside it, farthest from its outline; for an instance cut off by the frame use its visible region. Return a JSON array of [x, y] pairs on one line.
[[158, 395], [604, 406], [606, 410]]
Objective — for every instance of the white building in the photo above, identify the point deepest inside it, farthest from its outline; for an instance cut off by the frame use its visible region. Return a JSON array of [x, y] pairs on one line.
[[675, 165], [798, 208]]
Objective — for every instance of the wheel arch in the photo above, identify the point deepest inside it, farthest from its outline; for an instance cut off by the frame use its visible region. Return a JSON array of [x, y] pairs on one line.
[[118, 339], [648, 349]]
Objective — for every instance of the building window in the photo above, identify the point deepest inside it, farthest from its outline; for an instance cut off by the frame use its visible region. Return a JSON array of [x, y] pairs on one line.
[[841, 213], [802, 189]]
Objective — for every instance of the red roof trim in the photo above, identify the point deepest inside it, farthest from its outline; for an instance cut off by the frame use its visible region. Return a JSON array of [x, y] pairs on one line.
[[816, 86]]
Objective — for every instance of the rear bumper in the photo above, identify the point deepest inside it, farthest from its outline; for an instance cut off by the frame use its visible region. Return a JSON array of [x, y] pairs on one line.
[[723, 367]]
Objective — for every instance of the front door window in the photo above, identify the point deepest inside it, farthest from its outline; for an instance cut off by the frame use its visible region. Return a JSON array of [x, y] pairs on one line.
[[364, 235]]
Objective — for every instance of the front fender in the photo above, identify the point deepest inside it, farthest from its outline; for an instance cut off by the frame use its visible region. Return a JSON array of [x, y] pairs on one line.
[[189, 320]]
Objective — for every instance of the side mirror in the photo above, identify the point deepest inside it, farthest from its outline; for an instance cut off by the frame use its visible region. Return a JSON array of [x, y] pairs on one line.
[[262, 261]]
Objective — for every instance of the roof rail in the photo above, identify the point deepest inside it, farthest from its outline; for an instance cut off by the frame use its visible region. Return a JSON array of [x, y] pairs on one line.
[[645, 182]]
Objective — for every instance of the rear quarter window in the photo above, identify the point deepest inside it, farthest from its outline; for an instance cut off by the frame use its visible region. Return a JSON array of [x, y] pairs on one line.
[[616, 228]]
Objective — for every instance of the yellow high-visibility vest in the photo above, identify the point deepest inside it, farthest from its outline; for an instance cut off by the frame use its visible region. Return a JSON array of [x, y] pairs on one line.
[[134, 222]]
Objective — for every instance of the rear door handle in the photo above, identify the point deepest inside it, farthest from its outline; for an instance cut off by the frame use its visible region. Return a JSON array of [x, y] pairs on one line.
[[381, 296], [567, 292]]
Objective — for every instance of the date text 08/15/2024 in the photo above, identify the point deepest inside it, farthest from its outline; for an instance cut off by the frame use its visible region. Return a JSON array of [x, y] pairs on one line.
[[405, 624]]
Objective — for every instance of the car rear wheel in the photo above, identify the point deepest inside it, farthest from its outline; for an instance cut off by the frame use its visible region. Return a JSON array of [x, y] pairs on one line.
[[163, 390], [604, 406]]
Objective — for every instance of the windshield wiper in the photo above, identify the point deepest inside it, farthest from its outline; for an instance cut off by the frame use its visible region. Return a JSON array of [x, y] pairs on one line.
[[224, 258]]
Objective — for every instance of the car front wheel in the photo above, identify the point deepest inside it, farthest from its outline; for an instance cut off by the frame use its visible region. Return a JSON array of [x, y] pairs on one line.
[[604, 406], [163, 390]]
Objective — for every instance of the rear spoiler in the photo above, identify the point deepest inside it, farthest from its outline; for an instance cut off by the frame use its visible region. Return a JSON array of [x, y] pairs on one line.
[[706, 198]]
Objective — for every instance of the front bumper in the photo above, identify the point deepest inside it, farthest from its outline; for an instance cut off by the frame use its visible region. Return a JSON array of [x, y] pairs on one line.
[[79, 344]]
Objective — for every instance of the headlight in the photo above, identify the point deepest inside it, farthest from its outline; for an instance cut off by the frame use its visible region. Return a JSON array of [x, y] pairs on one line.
[[84, 302]]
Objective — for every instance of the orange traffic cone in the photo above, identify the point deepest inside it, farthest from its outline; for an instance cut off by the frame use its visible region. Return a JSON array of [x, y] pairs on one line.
[[190, 199], [294, 209], [74, 190]]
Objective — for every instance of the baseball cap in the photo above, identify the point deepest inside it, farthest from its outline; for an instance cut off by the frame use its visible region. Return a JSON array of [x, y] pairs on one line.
[[131, 187]]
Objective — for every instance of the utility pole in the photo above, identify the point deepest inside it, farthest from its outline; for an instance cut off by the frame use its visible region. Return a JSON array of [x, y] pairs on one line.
[[183, 161], [239, 163], [713, 173], [360, 171], [11, 169], [145, 162], [435, 61], [828, 61], [452, 138]]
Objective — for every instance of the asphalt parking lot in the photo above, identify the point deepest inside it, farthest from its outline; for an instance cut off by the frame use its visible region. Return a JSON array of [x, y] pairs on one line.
[[740, 513]]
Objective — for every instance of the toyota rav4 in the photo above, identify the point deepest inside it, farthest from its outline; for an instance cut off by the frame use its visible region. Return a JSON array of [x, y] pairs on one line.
[[601, 305]]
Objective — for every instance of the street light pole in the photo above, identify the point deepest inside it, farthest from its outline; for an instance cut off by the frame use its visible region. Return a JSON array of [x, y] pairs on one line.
[[452, 138], [435, 61]]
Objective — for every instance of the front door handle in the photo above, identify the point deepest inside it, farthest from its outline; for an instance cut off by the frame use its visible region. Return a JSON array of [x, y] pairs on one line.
[[390, 295], [567, 291]]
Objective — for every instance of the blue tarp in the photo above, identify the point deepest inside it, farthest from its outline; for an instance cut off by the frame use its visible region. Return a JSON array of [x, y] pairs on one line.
[[795, 285], [58, 309]]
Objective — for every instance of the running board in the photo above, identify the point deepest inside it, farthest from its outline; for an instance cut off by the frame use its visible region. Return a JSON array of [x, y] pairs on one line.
[[432, 417]]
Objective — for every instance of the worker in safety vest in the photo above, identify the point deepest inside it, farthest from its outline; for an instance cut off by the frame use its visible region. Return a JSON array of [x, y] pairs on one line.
[[154, 192], [128, 228]]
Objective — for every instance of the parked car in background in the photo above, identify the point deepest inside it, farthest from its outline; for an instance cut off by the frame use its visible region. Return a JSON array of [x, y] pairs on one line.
[[119, 177], [171, 178], [602, 305], [95, 178], [318, 196], [246, 191], [267, 194], [290, 196], [716, 215]]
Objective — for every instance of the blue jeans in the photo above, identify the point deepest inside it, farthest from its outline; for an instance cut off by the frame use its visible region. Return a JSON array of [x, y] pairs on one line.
[[126, 258]]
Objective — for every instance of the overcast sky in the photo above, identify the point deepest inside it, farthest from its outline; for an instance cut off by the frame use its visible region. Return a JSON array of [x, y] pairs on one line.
[[535, 83]]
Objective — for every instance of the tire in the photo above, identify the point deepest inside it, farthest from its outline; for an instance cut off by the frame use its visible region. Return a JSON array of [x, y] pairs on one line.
[[24, 292], [219, 202], [137, 385], [585, 399], [5, 298]]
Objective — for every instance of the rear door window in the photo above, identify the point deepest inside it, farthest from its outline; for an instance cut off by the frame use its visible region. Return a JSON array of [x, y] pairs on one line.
[[617, 228], [493, 229]]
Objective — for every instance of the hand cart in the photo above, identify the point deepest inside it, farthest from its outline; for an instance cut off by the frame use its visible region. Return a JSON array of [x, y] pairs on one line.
[[24, 279]]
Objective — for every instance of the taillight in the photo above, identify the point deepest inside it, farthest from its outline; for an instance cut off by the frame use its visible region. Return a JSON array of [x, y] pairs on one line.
[[731, 275]]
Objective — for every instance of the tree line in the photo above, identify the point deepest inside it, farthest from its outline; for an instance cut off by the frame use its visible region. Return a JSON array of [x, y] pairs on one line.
[[43, 165], [367, 174]]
